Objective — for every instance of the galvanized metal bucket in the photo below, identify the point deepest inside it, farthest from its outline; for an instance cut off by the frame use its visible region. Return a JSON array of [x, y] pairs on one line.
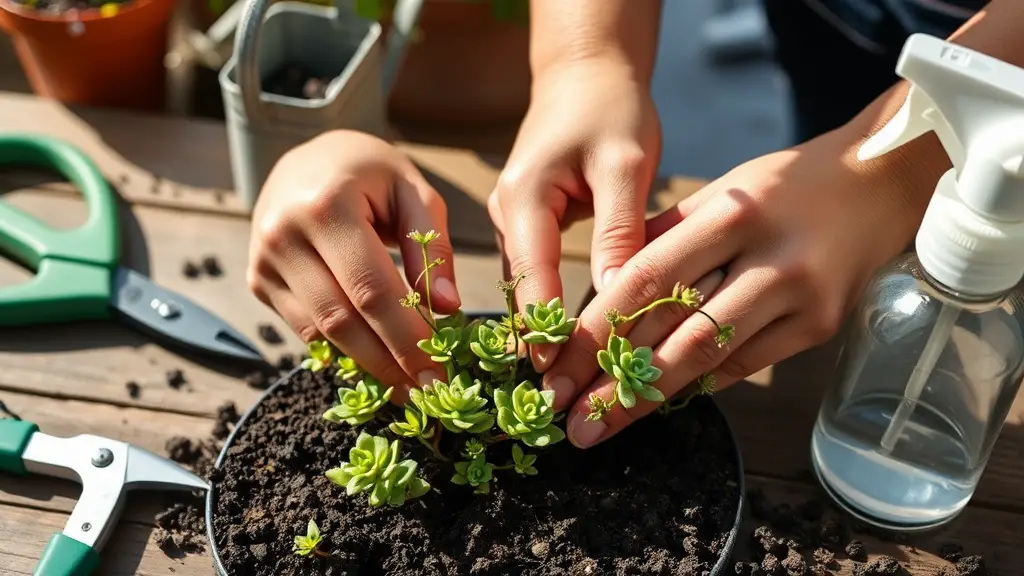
[[329, 41]]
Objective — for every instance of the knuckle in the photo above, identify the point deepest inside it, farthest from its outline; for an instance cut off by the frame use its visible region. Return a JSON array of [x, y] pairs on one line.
[[370, 294], [740, 216], [275, 233], [334, 322], [735, 367], [703, 353], [825, 322], [642, 283], [624, 157], [307, 332], [619, 233]]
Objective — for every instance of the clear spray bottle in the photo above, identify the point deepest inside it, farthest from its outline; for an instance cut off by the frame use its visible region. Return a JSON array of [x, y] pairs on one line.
[[935, 352]]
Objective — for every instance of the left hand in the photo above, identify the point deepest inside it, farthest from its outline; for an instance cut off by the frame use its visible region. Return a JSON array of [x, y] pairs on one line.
[[797, 235]]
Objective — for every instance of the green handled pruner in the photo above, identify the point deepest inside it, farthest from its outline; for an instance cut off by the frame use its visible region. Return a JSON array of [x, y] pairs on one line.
[[106, 468], [78, 276]]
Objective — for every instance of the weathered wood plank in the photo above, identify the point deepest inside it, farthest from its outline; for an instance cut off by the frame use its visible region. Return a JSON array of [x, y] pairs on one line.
[[130, 551]]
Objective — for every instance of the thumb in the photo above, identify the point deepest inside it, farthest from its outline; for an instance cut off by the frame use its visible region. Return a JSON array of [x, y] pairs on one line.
[[422, 210], [620, 193]]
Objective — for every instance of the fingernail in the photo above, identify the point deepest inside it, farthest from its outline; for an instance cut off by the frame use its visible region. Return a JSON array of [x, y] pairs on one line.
[[427, 377], [608, 276], [563, 388], [545, 356], [444, 288], [584, 433]]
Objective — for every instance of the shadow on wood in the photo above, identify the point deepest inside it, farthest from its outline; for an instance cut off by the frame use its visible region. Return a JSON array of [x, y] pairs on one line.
[[469, 224]]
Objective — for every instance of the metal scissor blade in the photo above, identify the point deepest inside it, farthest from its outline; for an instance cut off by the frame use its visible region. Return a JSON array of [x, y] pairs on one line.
[[171, 315], [149, 471]]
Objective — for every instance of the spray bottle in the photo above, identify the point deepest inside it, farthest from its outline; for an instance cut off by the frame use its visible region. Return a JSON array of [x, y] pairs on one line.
[[934, 355]]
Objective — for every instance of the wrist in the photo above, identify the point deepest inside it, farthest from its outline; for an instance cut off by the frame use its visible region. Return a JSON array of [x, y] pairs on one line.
[[910, 171]]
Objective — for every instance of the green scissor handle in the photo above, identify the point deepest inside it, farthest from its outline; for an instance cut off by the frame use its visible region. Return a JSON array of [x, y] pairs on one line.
[[73, 267], [65, 556], [14, 437]]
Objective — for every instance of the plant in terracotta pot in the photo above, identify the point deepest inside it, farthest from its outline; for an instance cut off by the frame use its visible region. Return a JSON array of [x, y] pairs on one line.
[[473, 474], [92, 52], [490, 41]]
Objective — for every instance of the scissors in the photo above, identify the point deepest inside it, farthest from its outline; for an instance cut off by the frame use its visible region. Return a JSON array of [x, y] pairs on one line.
[[78, 276], [107, 470]]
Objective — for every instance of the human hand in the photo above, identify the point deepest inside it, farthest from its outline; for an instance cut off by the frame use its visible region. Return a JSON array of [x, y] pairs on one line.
[[588, 145], [318, 252], [784, 243]]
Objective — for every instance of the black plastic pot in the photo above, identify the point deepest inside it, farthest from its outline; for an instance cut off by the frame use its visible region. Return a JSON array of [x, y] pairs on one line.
[[722, 566]]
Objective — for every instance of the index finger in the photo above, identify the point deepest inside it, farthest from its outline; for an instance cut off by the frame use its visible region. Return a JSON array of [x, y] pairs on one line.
[[532, 242]]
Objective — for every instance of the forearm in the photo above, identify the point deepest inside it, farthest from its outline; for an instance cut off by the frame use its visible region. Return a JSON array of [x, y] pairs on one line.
[[998, 31], [620, 31]]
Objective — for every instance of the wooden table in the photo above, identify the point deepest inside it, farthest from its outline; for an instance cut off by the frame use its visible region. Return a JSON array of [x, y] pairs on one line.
[[71, 379]]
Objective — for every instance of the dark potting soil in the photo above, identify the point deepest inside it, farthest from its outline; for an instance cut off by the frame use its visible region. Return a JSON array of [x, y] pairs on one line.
[[269, 334], [294, 81], [659, 498]]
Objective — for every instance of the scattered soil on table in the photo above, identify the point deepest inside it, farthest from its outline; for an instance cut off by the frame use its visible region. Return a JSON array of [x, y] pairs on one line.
[[134, 391], [789, 532], [294, 81], [211, 266], [270, 335], [287, 362], [614, 509], [190, 269], [176, 379]]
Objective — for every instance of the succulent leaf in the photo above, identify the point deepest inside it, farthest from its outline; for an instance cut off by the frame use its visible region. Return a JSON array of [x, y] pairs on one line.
[[320, 355], [527, 414], [632, 369], [373, 466], [548, 323], [458, 405], [416, 424], [443, 344], [358, 405], [476, 473], [523, 462], [490, 345], [348, 369]]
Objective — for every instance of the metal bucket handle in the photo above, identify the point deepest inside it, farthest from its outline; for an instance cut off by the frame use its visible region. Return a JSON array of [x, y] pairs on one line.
[[247, 38]]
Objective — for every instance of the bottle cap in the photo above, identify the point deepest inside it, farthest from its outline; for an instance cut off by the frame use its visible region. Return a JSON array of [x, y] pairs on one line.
[[971, 239]]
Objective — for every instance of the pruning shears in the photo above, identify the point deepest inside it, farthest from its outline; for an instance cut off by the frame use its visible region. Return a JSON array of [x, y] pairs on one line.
[[106, 468], [78, 276]]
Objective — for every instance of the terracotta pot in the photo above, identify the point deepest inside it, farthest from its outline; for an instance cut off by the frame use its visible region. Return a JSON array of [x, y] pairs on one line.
[[465, 68], [115, 61]]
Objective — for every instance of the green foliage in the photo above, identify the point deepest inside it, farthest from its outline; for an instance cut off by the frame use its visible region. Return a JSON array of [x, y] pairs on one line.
[[548, 323], [348, 369], [359, 405], [310, 543], [416, 424], [458, 405], [523, 462], [490, 345], [477, 473], [527, 414], [632, 369], [490, 393], [321, 353], [374, 466]]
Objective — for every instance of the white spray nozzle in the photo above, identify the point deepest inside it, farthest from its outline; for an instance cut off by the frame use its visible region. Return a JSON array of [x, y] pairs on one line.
[[972, 236]]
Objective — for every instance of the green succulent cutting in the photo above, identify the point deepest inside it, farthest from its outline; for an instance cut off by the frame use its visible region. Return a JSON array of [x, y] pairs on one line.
[[490, 398]]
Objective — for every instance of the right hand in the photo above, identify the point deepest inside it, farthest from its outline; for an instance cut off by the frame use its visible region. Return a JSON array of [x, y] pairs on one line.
[[588, 145], [318, 252]]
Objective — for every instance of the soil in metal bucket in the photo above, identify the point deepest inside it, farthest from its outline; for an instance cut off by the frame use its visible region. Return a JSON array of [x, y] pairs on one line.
[[294, 81], [659, 498]]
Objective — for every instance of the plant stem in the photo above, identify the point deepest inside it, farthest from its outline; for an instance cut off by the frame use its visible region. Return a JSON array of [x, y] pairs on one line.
[[510, 303], [708, 316], [437, 440], [496, 439], [509, 466], [321, 553], [432, 448], [426, 278]]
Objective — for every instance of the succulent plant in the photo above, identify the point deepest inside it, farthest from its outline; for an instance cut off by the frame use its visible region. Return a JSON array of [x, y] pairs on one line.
[[477, 473], [358, 405], [373, 466], [523, 462], [458, 405], [442, 344], [320, 355], [416, 424], [548, 323], [348, 369], [527, 414], [310, 543], [490, 345], [632, 370]]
